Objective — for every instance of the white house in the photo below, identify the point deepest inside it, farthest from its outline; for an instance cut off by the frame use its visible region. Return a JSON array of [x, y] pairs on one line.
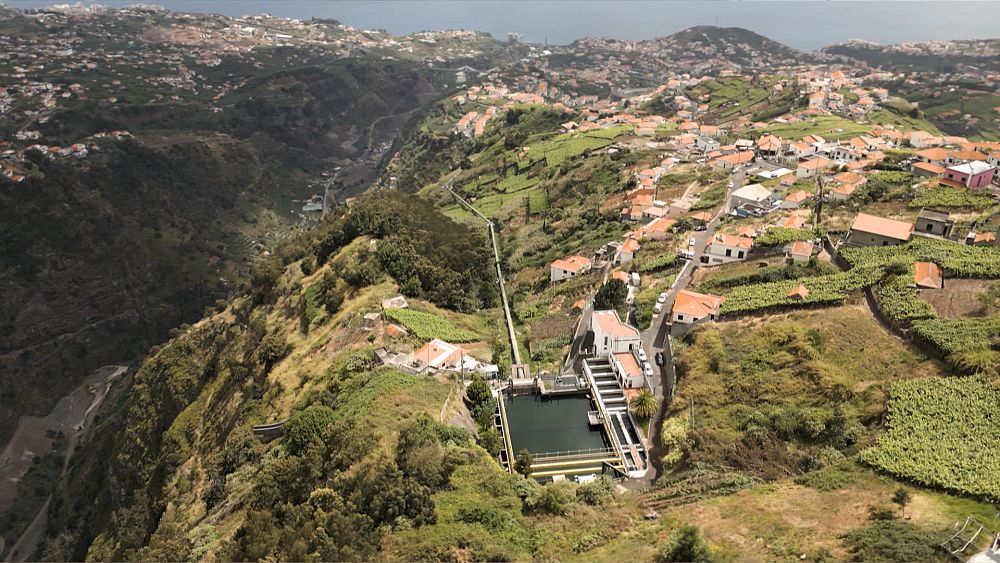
[[727, 248], [565, 268], [691, 307], [611, 335], [751, 193]]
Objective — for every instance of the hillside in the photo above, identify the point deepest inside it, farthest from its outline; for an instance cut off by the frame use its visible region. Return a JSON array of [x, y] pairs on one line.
[[937, 56]]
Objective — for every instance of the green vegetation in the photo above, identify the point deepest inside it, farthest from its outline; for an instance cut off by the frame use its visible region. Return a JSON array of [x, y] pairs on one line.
[[711, 197], [830, 127], [888, 541], [780, 397], [775, 236], [942, 432], [427, 326], [948, 197], [611, 295], [955, 336], [686, 545], [724, 280]]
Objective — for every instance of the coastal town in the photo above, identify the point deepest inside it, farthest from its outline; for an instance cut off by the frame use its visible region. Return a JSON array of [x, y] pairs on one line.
[[697, 284]]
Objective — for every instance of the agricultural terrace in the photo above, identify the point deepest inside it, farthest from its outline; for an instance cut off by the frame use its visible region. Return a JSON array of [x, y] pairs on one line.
[[892, 267], [759, 387], [428, 326], [943, 432]]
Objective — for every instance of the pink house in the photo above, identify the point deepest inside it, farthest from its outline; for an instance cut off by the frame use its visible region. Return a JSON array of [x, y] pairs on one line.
[[972, 174]]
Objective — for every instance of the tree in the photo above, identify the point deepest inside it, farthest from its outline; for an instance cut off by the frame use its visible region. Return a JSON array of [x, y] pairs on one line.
[[305, 425], [491, 441], [478, 391], [523, 462], [686, 544], [902, 497], [644, 404], [612, 295]]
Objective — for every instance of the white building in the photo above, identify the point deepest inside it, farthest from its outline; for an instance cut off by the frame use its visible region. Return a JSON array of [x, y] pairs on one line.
[[728, 248], [611, 335]]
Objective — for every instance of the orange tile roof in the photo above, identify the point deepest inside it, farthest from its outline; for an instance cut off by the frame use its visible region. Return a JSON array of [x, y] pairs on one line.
[[697, 305], [933, 154], [802, 248], [815, 163], [799, 292], [703, 216], [628, 362], [849, 177], [611, 324], [620, 275], [631, 245], [929, 167], [882, 226], [984, 238], [928, 274], [571, 264], [729, 240], [798, 196], [792, 222]]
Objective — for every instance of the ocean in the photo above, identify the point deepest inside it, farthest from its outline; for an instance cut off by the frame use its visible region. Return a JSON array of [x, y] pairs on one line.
[[805, 24]]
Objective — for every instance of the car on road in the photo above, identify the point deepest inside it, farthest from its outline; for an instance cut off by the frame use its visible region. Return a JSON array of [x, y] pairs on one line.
[[700, 227], [692, 242], [730, 184], [660, 360], [662, 298], [686, 254], [647, 369], [657, 308], [642, 355]]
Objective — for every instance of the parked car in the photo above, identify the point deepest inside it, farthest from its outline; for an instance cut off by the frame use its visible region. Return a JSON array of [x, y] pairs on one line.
[[662, 298], [700, 227], [686, 254], [657, 308], [647, 369], [692, 241], [660, 360]]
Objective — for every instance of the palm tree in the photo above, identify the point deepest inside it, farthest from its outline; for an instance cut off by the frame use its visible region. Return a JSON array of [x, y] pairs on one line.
[[644, 404]]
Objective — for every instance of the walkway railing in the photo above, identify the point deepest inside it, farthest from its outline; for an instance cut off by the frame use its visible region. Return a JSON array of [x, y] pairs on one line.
[[508, 446]]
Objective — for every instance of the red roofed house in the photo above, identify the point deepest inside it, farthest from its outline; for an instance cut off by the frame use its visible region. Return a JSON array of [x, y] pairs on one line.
[[801, 251], [869, 230], [926, 169], [627, 253], [798, 292], [439, 354], [927, 275], [691, 307], [795, 199], [611, 335], [565, 268], [727, 248], [811, 167]]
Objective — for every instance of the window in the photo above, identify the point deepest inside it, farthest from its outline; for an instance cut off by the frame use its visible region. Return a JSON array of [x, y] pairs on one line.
[[741, 254], [729, 252], [930, 228], [680, 317]]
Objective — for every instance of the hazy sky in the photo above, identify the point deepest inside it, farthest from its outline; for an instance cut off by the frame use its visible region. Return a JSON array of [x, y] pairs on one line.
[[805, 24]]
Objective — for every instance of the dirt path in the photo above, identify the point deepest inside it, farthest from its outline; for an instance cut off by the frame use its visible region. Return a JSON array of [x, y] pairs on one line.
[[73, 415]]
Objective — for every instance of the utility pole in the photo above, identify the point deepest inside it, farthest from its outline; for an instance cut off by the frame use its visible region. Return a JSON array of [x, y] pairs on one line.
[[819, 201]]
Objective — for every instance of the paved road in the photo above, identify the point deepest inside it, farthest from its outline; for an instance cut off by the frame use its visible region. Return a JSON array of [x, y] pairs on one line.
[[655, 338]]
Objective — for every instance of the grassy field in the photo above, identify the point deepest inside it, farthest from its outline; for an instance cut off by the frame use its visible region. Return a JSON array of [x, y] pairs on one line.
[[830, 127], [782, 380]]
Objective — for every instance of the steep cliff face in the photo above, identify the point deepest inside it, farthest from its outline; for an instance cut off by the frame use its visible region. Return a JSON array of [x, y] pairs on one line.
[[102, 256], [176, 468]]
